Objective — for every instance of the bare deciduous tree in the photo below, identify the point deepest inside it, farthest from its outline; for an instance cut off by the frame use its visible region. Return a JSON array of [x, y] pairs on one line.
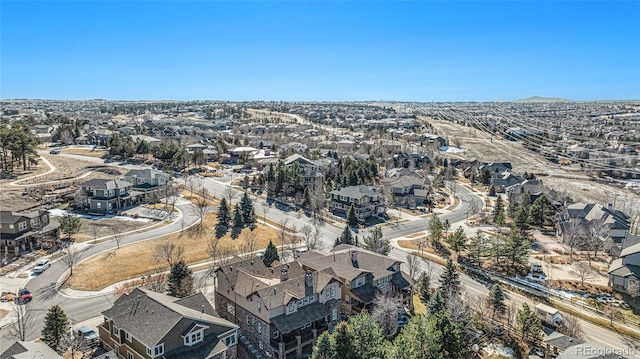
[[250, 240], [169, 252], [571, 326], [75, 346], [385, 312], [220, 253], [230, 193], [310, 236], [575, 238], [582, 271], [23, 323], [117, 236], [597, 237], [413, 264], [200, 208], [71, 258]]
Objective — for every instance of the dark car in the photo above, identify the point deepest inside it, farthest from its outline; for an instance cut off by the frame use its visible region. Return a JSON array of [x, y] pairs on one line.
[[24, 296], [54, 152]]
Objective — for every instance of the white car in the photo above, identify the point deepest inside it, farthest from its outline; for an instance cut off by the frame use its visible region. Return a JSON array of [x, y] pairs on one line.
[[42, 266]]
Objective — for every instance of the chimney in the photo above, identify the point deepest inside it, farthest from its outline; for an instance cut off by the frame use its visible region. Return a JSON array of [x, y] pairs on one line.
[[308, 279], [354, 259], [284, 275], [202, 310]]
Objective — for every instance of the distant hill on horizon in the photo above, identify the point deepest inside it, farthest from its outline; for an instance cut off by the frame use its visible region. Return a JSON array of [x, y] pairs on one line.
[[543, 99]]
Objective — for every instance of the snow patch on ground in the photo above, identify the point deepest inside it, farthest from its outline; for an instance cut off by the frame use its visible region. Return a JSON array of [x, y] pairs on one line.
[[57, 212], [448, 149]]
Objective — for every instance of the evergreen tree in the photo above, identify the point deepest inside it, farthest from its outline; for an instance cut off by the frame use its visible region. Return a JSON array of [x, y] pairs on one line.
[[477, 247], [435, 228], [516, 247], [56, 326], [496, 300], [458, 240], [238, 217], [324, 347], [180, 280], [352, 217], [435, 304], [376, 243], [70, 224], [521, 219], [342, 341], [367, 336], [224, 214], [498, 212], [450, 279], [419, 339], [270, 254], [451, 335], [542, 211], [423, 287], [527, 322], [492, 191], [346, 237]]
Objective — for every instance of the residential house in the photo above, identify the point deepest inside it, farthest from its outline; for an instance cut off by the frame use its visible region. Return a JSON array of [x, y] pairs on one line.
[[20, 232], [501, 180], [146, 324], [434, 139], [281, 310], [557, 342], [530, 187], [363, 274], [106, 195], [409, 188], [311, 170], [148, 181], [152, 141], [624, 272], [612, 225], [495, 167], [365, 198], [29, 350]]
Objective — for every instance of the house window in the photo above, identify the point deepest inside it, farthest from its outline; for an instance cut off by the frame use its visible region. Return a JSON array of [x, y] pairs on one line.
[[311, 299], [129, 355], [259, 325], [261, 345], [158, 350], [98, 205], [333, 292], [230, 340], [300, 303], [22, 226], [292, 306], [334, 314], [276, 334], [116, 331], [11, 226], [259, 306], [127, 336], [193, 338]]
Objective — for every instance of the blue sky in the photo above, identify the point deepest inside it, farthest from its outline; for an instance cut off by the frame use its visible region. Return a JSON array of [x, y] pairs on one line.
[[317, 51]]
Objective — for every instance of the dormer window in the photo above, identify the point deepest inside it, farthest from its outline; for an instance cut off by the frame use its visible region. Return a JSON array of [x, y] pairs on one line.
[[195, 335], [157, 350]]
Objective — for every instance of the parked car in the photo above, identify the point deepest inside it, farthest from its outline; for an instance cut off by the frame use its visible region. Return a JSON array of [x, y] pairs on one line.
[[42, 266], [24, 296], [536, 268], [54, 152], [260, 253], [88, 334], [537, 351]]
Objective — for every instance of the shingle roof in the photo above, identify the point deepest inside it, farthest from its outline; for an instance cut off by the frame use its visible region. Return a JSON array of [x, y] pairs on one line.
[[106, 184], [294, 288], [561, 341], [9, 217], [630, 250], [29, 350], [146, 173], [149, 316], [356, 192], [304, 315], [365, 293]]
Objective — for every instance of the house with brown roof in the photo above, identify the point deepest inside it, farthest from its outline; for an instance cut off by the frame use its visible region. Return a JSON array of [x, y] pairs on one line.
[[146, 324], [281, 309], [363, 274], [25, 231], [366, 200]]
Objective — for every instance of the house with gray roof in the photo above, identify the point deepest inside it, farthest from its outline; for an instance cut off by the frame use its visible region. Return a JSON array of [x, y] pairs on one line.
[[409, 188], [366, 200], [146, 324], [311, 170], [363, 274], [103, 195], [26, 231], [613, 224], [149, 181], [29, 350], [624, 272], [281, 309]]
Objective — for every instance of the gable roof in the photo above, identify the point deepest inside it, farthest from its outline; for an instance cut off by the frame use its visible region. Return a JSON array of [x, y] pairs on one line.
[[29, 350], [106, 184], [295, 288], [146, 173], [149, 316], [356, 192], [630, 250]]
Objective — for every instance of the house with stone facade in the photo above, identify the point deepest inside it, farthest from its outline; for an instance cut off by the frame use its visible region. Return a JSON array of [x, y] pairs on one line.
[[611, 225], [103, 195], [281, 310], [146, 324], [409, 188], [25, 231], [366, 200], [363, 275]]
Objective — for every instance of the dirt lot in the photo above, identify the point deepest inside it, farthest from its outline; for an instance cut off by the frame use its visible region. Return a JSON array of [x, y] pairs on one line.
[[106, 226], [566, 180]]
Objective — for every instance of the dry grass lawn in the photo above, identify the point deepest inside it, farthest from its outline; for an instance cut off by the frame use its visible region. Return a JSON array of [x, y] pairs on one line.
[[84, 152], [418, 306], [138, 259]]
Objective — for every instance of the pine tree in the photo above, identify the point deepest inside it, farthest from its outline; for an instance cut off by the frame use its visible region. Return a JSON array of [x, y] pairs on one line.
[[451, 335], [498, 212], [70, 224], [496, 299], [56, 326], [346, 237], [458, 240], [435, 228], [492, 191], [516, 247], [527, 322], [342, 340], [450, 279], [477, 247], [224, 214], [542, 211], [521, 219], [238, 217], [352, 218], [180, 280], [376, 243], [270, 254], [435, 304], [423, 287], [324, 347], [248, 211]]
